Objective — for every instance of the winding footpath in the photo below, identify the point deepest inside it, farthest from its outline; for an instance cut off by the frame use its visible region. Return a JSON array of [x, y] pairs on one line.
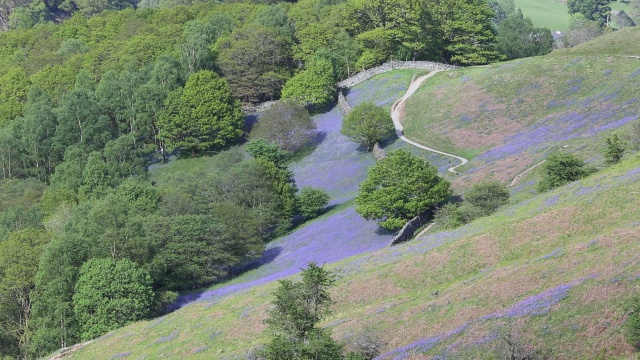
[[396, 111]]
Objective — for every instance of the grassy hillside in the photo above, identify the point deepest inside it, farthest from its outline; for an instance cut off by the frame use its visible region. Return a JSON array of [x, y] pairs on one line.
[[562, 263], [622, 42], [509, 116]]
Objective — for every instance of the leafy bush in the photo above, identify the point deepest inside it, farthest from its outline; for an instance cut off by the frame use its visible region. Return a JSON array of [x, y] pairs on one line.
[[448, 216], [368, 124], [561, 169], [312, 201], [488, 196], [261, 149]]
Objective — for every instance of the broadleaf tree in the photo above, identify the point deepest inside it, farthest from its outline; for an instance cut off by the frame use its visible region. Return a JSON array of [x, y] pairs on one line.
[[202, 115], [400, 187]]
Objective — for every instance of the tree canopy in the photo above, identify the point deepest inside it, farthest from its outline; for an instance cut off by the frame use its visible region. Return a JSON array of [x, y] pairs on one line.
[[202, 115], [368, 124], [398, 188]]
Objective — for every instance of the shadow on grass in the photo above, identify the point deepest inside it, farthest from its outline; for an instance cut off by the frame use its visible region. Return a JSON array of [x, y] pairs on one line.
[[267, 257]]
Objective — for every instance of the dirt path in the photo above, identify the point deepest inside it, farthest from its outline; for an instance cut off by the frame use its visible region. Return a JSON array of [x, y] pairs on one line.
[[519, 176], [396, 113]]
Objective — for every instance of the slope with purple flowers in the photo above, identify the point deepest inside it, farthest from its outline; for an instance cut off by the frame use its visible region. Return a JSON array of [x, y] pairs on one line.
[[558, 267]]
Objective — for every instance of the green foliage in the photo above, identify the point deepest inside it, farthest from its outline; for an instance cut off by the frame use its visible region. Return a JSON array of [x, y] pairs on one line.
[[400, 187], [595, 10], [110, 294], [284, 187], [261, 149], [517, 38], [315, 85], [615, 149], [287, 124], [194, 251], [368, 124], [256, 60], [468, 34], [488, 196], [312, 201], [202, 116], [298, 308], [54, 322], [561, 168], [13, 93], [632, 323], [448, 217], [19, 256]]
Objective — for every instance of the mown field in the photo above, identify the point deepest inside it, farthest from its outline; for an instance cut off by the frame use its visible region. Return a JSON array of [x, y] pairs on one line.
[[545, 13]]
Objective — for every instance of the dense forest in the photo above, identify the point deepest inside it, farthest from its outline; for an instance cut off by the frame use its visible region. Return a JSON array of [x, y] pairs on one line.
[[94, 92]]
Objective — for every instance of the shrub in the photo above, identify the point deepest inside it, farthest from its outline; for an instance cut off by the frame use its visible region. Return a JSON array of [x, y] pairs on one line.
[[615, 149], [561, 169], [312, 202], [488, 196], [366, 345], [448, 216], [368, 124], [261, 149]]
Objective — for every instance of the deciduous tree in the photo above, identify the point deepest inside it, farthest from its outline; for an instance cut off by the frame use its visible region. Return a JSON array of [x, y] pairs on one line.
[[400, 187], [110, 294], [287, 124], [368, 124], [202, 115]]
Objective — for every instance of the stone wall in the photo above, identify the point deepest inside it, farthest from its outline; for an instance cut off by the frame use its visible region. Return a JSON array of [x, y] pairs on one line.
[[407, 231], [378, 152], [251, 108], [392, 65], [343, 104], [357, 79]]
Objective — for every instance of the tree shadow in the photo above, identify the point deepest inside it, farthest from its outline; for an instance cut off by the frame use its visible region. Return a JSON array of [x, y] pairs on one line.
[[384, 232], [267, 257], [250, 120]]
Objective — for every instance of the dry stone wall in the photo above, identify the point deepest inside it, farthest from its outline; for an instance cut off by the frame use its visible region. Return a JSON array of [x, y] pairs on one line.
[[343, 104], [389, 66], [251, 108], [407, 231]]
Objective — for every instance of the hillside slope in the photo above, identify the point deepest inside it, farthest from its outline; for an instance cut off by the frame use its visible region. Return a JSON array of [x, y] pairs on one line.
[[509, 116], [559, 266], [563, 263]]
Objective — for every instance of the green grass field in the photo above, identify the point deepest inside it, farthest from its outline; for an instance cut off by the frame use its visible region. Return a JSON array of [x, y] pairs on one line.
[[545, 13]]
